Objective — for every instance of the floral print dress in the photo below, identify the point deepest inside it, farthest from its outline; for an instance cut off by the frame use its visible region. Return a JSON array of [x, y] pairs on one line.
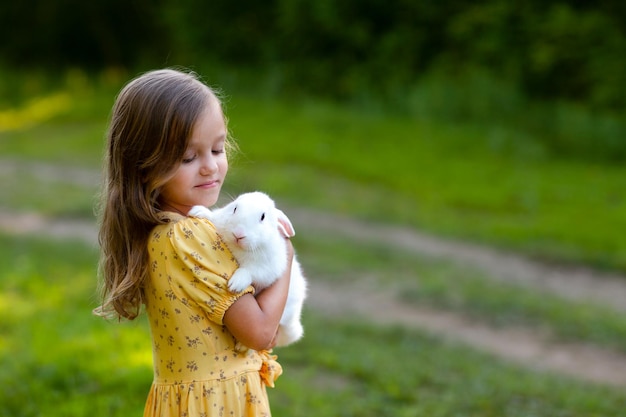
[[197, 371]]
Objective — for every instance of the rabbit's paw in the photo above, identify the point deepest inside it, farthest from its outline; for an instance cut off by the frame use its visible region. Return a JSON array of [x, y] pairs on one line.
[[199, 211], [240, 280]]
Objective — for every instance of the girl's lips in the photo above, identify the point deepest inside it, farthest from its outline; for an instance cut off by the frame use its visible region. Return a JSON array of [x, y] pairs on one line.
[[210, 184]]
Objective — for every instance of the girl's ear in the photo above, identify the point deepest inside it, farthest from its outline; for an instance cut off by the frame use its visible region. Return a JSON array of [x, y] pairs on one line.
[[284, 224]]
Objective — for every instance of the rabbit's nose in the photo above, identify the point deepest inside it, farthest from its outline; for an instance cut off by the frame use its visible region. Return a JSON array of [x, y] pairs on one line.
[[238, 238]]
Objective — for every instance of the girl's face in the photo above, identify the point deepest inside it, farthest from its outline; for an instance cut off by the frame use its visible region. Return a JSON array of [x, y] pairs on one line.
[[200, 175]]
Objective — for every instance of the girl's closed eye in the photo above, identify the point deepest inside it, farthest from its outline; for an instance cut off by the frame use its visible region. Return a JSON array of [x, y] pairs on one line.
[[188, 159], [218, 147]]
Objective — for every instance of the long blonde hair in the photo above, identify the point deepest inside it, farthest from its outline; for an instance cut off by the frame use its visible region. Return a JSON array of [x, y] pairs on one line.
[[151, 123]]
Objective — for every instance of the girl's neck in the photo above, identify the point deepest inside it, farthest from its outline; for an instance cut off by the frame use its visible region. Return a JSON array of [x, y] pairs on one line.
[[167, 207]]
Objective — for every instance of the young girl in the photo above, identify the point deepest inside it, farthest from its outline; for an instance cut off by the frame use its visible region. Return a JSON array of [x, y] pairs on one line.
[[167, 145]]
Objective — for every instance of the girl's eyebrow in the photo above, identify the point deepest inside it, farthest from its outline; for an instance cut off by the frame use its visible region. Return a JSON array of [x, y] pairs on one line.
[[219, 139], [195, 144]]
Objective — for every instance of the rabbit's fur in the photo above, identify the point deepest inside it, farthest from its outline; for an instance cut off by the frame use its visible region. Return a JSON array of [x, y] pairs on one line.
[[249, 225]]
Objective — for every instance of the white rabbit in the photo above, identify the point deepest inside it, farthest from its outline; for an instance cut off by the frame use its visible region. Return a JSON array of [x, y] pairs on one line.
[[249, 225]]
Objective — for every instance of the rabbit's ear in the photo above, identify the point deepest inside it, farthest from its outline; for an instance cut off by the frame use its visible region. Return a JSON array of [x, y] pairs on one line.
[[284, 224]]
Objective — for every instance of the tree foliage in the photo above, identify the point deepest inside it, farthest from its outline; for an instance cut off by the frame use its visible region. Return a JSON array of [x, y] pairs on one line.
[[570, 50]]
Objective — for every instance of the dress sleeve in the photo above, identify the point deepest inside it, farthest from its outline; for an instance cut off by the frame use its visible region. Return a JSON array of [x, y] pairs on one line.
[[202, 266]]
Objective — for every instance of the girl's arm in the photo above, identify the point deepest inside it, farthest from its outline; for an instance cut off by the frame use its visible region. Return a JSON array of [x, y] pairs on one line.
[[254, 320]]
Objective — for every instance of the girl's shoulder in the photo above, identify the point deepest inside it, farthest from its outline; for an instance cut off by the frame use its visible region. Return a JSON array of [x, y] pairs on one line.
[[190, 237], [176, 227]]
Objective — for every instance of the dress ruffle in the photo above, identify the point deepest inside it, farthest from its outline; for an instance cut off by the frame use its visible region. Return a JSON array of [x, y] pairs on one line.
[[199, 398]]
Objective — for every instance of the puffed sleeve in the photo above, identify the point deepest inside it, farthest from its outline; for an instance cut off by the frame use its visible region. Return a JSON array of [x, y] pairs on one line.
[[201, 266]]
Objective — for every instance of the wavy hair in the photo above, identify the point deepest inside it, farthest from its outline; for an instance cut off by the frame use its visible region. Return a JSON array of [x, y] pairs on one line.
[[150, 126]]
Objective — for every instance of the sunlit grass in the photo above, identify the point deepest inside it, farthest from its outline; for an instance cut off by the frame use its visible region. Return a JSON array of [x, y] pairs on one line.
[[54, 350], [38, 110]]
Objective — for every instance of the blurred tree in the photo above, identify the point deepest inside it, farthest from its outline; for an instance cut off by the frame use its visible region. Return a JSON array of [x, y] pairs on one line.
[[64, 33], [234, 32], [556, 49]]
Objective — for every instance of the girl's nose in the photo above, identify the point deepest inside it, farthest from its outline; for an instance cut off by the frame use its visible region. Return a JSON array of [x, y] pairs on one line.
[[209, 166]]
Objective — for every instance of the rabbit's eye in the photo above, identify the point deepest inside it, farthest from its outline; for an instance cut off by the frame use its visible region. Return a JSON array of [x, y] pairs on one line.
[[262, 216], [235, 210]]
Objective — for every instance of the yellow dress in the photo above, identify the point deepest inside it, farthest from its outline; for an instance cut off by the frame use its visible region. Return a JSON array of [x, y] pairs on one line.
[[197, 371]]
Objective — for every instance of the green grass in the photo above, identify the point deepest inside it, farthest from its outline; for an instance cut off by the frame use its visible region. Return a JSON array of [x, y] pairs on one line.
[[75, 143], [58, 360], [446, 179], [482, 183]]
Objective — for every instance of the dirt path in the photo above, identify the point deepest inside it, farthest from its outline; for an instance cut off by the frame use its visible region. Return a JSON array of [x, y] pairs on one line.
[[521, 345], [576, 283]]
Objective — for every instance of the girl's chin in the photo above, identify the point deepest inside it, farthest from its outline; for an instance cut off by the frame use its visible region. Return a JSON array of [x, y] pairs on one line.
[[208, 199], [207, 202]]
